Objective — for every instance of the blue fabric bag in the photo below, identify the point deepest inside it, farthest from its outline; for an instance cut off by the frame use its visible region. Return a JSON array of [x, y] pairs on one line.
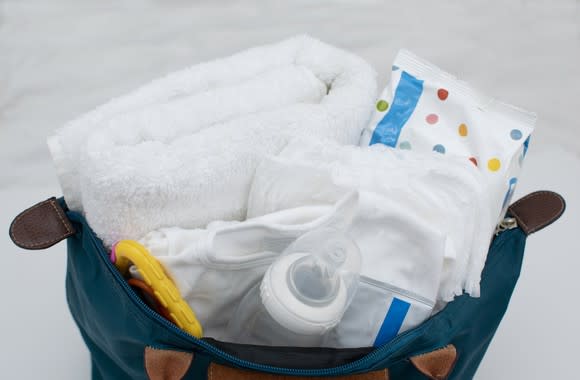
[[128, 340]]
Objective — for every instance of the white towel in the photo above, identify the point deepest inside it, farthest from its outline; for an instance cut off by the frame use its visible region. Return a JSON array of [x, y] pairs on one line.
[[215, 267], [182, 150], [406, 199]]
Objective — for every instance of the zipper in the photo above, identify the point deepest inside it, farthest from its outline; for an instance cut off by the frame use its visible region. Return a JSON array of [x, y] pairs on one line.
[[363, 363], [508, 223], [396, 290]]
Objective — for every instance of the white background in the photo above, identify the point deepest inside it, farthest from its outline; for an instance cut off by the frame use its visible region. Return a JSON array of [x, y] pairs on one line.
[[61, 58]]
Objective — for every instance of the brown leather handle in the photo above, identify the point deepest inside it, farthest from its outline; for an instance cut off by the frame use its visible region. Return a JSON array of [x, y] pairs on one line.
[[174, 365], [45, 224], [537, 210], [220, 372], [41, 226]]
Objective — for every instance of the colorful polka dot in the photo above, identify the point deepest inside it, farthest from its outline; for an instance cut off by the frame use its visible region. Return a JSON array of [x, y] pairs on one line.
[[474, 160], [442, 94], [439, 149], [382, 105], [516, 134], [432, 118], [493, 164], [405, 145], [462, 130]]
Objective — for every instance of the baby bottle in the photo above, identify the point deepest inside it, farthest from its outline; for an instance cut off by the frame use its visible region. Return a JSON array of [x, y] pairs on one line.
[[303, 294]]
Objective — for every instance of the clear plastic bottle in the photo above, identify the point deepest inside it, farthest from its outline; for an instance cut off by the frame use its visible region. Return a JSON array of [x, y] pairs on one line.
[[303, 294]]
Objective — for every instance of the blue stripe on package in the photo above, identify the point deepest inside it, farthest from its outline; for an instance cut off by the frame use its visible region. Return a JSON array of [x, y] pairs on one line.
[[406, 97], [393, 321]]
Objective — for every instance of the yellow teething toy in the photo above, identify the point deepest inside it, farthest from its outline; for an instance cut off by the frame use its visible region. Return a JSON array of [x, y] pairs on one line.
[[129, 252]]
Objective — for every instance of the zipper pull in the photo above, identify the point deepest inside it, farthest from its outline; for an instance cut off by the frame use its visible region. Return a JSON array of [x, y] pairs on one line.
[[508, 223]]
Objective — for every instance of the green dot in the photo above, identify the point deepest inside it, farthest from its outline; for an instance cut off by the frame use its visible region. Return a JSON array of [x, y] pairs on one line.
[[405, 145], [382, 105]]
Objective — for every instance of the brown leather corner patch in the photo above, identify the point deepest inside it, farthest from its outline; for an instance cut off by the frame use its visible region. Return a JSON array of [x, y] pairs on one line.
[[220, 372], [438, 364], [537, 210], [166, 364], [41, 226]]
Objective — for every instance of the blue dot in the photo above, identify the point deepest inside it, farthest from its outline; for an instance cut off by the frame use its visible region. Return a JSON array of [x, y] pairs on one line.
[[395, 68], [405, 145], [439, 149], [516, 134]]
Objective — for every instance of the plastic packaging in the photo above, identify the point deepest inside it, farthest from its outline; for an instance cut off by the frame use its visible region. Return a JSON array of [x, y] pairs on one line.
[[303, 295], [378, 313], [425, 109]]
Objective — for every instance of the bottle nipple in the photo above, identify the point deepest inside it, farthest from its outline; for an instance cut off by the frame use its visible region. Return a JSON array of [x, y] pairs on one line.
[[314, 279]]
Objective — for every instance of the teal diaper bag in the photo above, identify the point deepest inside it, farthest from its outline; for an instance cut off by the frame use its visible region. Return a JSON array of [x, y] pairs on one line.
[[128, 340]]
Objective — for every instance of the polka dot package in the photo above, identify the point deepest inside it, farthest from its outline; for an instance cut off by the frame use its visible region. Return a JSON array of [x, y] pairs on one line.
[[425, 109]]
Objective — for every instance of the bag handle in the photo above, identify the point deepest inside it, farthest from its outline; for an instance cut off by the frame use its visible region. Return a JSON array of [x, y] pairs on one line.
[[41, 226], [537, 210], [175, 365], [45, 224]]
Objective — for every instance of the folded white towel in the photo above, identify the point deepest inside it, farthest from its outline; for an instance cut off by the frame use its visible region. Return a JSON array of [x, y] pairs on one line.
[[215, 267], [182, 150], [406, 199]]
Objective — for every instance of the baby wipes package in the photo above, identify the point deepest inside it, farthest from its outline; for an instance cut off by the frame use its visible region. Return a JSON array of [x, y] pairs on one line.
[[425, 109]]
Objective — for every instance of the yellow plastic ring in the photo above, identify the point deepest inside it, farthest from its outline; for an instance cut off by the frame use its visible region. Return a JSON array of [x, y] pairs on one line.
[[130, 252]]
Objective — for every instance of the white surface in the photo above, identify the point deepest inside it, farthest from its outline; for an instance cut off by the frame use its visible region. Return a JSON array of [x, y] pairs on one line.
[[61, 58]]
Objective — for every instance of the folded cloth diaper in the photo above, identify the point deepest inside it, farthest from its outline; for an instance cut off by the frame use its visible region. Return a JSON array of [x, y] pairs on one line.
[[422, 222], [215, 267], [425, 109], [181, 151]]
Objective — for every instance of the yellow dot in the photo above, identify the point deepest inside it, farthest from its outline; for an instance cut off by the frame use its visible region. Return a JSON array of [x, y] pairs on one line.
[[462, 130], [493, 164]]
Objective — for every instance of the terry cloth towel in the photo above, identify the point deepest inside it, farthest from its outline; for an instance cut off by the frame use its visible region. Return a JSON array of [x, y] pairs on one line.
[[215, 267], [182, 150], [406, 200]]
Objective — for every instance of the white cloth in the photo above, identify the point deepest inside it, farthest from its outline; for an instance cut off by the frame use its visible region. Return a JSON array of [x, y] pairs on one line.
[[215, 267], [181, 151], [409, 203]]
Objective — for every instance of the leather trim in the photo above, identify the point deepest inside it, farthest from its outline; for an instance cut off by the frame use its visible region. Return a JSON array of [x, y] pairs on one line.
[[166, 364], [220, 372], [41, 226], [537, 210], [438, 364]]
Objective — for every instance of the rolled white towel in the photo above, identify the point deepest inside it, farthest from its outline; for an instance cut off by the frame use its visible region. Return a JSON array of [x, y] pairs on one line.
[[182, 150]]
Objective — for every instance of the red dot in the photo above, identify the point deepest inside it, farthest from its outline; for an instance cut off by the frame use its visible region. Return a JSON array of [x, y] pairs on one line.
[[432, 118], [442, 93], [472, 159]]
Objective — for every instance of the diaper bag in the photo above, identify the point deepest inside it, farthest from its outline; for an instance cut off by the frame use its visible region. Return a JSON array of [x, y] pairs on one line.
[[129, 340]]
